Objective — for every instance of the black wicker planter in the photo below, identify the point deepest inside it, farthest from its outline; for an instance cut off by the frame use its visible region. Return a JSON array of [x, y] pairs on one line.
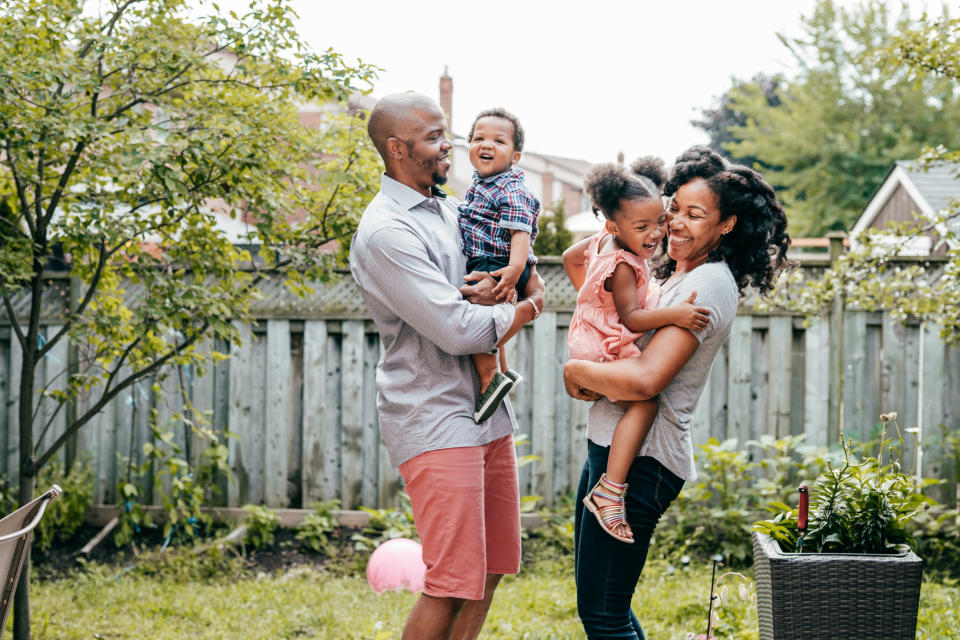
[[837, 596]]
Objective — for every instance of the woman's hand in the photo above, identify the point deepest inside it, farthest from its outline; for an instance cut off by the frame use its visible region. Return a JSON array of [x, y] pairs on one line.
[[571, 373]]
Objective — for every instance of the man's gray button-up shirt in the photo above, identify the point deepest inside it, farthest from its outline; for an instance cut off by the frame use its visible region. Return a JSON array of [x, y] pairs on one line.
[[407, 262]]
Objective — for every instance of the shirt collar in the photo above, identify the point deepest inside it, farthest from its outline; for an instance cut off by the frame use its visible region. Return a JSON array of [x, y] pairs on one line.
[[406, 196], [500, 178]]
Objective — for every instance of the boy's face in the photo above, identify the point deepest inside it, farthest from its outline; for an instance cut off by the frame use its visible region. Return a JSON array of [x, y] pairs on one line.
[[491, 147]]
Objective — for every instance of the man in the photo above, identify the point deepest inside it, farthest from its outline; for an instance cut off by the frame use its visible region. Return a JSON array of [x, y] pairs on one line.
[[461, 476]]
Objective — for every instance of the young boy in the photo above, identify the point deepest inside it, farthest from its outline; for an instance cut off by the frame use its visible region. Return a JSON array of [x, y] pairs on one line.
[[498, 223]]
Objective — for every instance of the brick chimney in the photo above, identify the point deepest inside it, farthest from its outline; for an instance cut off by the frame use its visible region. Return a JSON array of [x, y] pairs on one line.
[[446, 97], [620, 158]]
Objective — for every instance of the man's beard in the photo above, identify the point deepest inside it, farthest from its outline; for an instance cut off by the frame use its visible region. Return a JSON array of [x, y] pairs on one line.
[[439, 179]]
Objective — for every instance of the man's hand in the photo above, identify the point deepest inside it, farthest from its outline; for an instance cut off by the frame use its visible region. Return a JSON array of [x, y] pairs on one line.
[[506, 289], [482, 291], [574, 390]]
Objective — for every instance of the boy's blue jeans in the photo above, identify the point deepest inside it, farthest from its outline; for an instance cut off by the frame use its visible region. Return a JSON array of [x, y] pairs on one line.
[[606, 569]]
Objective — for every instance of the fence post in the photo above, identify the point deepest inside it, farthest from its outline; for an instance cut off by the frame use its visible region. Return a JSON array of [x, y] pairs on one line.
[[835, 418]]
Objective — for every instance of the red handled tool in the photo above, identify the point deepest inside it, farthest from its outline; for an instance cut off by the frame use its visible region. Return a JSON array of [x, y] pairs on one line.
[[802, 516]]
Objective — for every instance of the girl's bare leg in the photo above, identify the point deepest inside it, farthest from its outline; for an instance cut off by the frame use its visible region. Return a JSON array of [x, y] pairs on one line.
[[627, 439], [629, 436]]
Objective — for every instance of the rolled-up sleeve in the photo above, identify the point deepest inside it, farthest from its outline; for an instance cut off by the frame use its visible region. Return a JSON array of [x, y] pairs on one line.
[[518, 210], [399, 272]]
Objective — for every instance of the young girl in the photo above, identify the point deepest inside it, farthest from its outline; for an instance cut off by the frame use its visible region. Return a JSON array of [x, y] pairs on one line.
[[616, 303]]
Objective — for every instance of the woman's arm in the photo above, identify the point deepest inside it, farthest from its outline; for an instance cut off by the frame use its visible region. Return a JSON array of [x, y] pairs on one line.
[[623, 286], [573, 263], [639, 378]]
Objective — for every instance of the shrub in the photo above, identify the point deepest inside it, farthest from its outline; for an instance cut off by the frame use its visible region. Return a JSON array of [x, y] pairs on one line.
[[65, 514], [316, 527], [261, 524]]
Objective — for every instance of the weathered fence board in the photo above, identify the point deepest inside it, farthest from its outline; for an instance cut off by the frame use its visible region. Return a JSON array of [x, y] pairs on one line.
[[12, 450], [370, 445], [544, 387], [779, 368], [738, 380], [299, 398], [816, 388], [351, 413], [314, 406], [277, 413]]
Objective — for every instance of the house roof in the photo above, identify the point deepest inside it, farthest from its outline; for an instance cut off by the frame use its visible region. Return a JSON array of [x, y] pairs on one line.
[[938, 185], [933, 189]]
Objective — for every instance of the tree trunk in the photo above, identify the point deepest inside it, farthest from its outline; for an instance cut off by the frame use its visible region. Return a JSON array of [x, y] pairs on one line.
[[21, 600], [28, 479]]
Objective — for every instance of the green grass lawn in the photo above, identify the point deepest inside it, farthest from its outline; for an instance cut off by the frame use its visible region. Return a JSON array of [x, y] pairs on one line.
[[540, 603]]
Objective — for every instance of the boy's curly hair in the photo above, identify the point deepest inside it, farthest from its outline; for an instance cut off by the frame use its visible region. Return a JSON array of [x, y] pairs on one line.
[[610, 184], [498, 112], [756, 247]]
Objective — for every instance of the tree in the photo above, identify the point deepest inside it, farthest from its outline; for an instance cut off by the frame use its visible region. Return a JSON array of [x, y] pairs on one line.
[[120, 130], [870, 276], [845, 118], [717, 120], [553, 237]]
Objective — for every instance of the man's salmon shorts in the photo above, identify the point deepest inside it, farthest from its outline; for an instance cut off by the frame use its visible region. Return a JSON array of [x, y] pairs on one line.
[[466, 506]]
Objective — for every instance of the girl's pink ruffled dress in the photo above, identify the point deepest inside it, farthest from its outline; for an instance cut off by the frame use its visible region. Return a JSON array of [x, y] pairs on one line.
[[595, 330]]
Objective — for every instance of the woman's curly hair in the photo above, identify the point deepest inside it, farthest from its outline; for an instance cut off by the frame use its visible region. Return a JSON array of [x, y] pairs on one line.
[[756, 248], [610, 184]]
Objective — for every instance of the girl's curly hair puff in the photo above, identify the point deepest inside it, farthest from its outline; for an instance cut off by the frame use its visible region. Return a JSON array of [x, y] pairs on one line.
[[652, 168], [610, 184], [756, 247]]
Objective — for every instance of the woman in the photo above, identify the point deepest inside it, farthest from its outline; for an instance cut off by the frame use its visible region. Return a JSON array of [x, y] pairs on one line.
[[725, 232]]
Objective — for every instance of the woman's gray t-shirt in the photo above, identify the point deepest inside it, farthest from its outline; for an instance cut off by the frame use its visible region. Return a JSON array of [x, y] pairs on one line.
[[669, 438]]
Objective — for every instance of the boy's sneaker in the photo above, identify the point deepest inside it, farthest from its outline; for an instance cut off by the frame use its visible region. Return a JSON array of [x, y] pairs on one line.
[[514, 376], [490, 399]]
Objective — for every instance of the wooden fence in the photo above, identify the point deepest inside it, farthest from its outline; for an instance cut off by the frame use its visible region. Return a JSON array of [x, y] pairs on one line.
[[299, 397]]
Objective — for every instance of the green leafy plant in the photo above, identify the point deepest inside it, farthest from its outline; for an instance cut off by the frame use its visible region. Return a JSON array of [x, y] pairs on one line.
[[316, 527], [65, 514], [938, 543], [261, 524], [714, 514], [386, 524], [859, 507]]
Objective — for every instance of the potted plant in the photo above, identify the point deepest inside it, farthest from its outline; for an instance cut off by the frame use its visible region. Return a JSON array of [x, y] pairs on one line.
[[846, 568]]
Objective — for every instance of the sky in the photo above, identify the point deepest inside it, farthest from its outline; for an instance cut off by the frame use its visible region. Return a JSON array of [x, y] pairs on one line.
[[587, 79]]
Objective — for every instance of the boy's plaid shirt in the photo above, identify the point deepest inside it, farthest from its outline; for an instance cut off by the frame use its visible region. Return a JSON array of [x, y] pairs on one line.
[[493, 207]]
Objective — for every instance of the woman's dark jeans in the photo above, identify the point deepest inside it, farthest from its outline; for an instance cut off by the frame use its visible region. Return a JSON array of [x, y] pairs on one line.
[[606, 569]]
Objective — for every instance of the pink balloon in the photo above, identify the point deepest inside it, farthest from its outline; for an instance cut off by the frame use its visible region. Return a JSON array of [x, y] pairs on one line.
[[396, 564]]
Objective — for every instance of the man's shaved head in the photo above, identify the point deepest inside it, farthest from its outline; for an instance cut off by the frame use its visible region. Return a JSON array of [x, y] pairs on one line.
[[394, 117]]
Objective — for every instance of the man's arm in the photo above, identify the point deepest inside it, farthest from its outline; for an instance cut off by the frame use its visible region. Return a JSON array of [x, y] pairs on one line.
[[524, 309], [400, 274]]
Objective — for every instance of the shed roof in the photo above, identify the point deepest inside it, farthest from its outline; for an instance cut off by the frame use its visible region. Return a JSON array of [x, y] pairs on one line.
[[939, 185], [932, 188]]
